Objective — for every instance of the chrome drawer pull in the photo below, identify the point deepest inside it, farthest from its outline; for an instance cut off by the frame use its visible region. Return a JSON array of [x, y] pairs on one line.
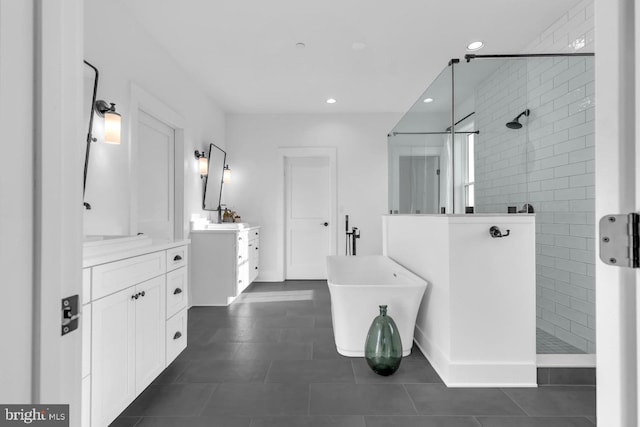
[[177, 258], [177, 335], [177, 291]]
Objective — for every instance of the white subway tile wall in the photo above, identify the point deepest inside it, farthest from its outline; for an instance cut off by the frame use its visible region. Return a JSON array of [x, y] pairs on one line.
[[549, 163]]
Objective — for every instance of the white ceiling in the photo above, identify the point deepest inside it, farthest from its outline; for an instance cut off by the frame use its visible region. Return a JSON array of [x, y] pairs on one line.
[[242, 52]]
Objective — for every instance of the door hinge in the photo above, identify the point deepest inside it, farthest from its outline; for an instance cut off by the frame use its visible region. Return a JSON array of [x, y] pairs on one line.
[[619, 240]]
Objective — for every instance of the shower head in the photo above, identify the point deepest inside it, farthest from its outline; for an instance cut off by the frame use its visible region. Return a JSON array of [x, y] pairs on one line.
[[515, 124]]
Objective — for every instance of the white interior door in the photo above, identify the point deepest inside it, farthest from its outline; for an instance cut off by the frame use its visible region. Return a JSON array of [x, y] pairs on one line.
[[617, 192], [155, 177], [308, 225]]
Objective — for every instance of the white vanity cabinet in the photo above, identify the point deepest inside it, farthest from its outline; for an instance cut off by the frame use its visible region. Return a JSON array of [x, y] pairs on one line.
[[254, 253], [176, 303], [224, 263], [136, 301]]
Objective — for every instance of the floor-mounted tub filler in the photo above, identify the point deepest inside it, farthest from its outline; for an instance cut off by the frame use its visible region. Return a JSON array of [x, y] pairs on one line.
[[358, 286]]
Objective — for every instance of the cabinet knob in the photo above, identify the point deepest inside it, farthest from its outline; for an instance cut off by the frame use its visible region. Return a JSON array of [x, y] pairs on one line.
[[256, 268], [136, 296], [142, 293], [177, 291], [177, 258], [177, 335], [256, 248]]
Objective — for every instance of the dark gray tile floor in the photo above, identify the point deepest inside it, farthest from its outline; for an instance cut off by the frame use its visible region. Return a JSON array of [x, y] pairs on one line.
[[269, 360]]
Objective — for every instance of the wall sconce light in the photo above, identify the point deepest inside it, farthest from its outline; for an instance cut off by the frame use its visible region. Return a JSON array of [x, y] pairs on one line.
[[112, 121], [203, 163], [226, 174]]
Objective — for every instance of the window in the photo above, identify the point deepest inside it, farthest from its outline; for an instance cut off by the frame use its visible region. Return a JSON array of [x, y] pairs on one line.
[[469, 195]]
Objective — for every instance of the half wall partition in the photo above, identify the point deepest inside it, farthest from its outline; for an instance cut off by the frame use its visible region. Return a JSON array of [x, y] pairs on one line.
[[513, 133]]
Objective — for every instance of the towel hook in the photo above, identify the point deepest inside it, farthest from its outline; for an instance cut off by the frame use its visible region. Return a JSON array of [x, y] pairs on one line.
[[495, 232]]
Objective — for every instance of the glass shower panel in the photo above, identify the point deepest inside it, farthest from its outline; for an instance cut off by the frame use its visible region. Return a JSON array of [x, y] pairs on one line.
[[535, 153], [561, 188], [492, 92], [419, 153]]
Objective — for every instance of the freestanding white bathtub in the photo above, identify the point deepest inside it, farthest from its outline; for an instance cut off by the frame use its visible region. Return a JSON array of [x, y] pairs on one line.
[[358, 286]]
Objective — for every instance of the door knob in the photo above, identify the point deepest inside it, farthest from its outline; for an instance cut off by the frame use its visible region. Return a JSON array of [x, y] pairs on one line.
[[326, 224]]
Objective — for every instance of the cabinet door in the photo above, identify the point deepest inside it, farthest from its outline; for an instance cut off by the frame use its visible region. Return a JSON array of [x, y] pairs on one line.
[[150, 331], [112, 356]]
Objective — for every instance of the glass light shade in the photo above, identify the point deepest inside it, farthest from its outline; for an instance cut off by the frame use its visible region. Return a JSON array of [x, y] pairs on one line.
[[112, 121], [226, 174], [203, 165]]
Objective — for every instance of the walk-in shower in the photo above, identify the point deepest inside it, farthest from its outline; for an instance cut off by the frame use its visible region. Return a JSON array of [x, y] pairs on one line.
[[503, 132]]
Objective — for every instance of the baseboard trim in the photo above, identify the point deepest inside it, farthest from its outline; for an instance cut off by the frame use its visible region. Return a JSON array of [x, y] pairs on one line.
[[481, 374]]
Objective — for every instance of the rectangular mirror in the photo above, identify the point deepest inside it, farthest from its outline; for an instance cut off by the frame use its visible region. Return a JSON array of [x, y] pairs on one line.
[[213, 181]]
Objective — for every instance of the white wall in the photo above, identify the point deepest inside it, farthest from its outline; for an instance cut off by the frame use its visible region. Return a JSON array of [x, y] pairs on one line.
[[125, 54], [17, 194], [550, 164], [361, 141]]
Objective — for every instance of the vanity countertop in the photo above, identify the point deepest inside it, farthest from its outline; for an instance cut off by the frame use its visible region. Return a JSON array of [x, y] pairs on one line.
[[225, 227], [103, 249]]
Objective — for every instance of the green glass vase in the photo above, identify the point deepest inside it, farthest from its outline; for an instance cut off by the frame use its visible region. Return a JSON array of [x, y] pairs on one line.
[[383, 347]]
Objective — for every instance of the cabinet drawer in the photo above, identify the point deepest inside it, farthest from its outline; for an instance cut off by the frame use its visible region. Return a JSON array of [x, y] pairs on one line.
[[109, 278], [242, 253], [254, 249], [86, 285], [242, 278], [177, 286], [176, 335], [253, 274], [176, 258]]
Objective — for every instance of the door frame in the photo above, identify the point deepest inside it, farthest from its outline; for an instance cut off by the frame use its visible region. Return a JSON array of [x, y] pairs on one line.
[[57, 190], [616, 170], [291, 152], [145, 101]]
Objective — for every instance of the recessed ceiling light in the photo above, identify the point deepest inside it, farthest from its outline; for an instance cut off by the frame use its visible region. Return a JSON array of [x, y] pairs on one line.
[[428, 100], [475, 45], [358, 46], [331, 101], [300, 45]]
